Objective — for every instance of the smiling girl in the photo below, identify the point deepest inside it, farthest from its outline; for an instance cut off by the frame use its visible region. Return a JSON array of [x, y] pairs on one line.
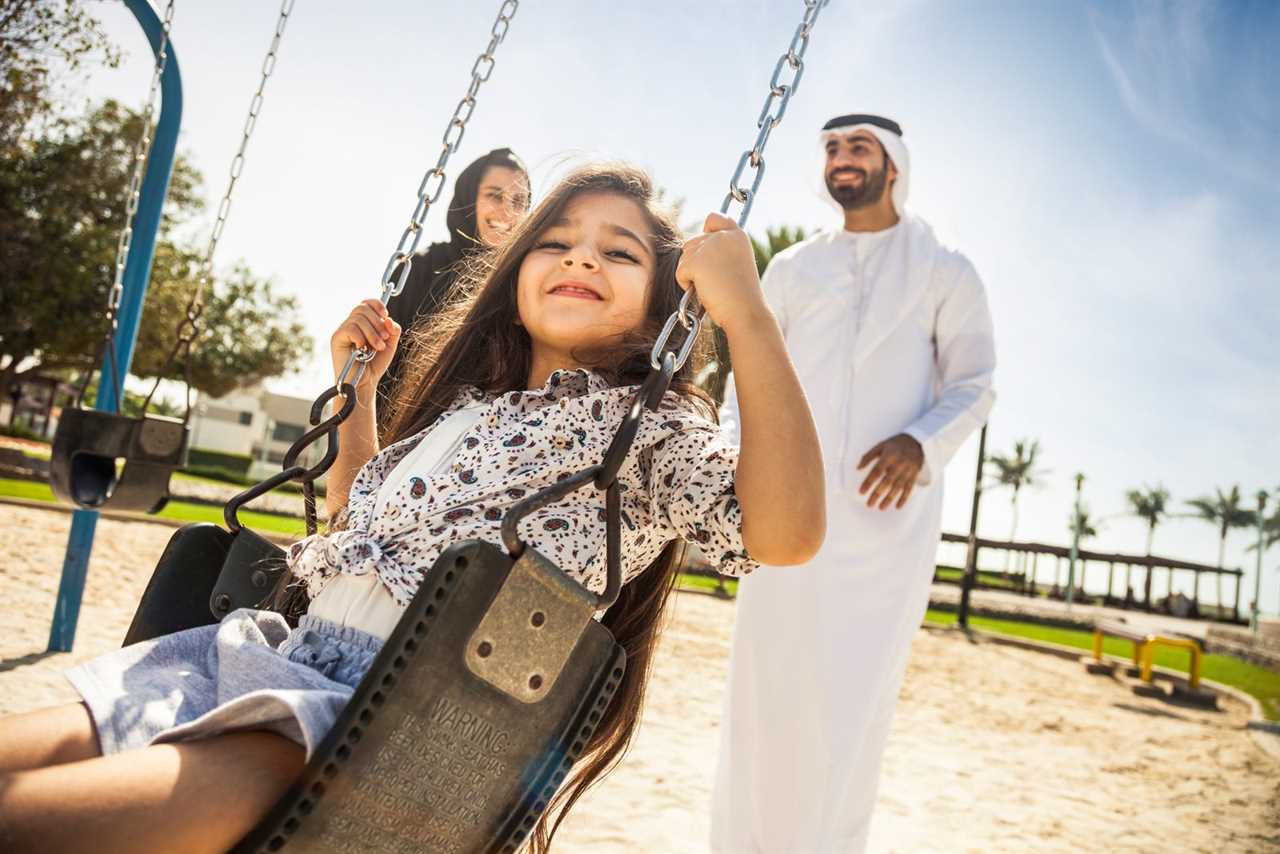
[[185, 741]]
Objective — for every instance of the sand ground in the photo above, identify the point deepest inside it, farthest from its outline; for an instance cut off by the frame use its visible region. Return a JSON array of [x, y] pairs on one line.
[[993, 748]]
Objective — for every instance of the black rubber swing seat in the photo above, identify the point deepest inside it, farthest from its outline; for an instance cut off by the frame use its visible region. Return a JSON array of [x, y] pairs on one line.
[[469, 719], [88, 445]]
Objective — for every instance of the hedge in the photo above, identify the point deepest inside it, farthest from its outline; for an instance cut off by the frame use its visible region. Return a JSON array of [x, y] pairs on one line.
[[235, 464]]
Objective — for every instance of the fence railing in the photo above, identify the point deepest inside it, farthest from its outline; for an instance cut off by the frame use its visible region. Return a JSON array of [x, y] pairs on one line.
[[1145, 582]]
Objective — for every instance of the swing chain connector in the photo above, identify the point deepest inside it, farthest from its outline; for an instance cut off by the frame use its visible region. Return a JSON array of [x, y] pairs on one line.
[[291, 469]]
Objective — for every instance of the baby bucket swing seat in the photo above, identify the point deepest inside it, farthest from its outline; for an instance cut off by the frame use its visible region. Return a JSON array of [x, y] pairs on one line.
[[107, 460], [496, 676]]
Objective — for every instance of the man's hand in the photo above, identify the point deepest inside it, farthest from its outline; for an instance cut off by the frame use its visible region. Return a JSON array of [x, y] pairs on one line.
[[898, 461]]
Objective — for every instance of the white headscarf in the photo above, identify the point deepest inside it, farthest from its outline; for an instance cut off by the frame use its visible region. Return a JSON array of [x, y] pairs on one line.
[[889, 133]]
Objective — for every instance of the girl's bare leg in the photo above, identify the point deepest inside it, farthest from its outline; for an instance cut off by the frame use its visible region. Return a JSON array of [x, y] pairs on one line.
[[47, 737], [192, 797]]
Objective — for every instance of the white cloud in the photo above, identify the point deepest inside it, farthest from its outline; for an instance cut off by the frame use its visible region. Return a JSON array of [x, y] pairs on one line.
[[1186, 76]]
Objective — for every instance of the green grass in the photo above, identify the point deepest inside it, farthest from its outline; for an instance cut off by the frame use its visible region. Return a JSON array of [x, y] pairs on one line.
[[991, 580], [1262, 684], [28, 489], [703, 584], [179, 510]]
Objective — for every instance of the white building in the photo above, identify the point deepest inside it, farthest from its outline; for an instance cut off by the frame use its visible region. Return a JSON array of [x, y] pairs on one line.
[[254, 422]]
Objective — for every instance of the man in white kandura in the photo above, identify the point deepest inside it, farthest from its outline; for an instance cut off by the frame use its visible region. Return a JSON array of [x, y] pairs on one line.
[[890, 333]]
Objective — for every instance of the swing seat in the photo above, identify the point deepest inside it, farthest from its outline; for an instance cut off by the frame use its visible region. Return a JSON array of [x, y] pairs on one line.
[[466, 724], [177, 596], [89, 444]]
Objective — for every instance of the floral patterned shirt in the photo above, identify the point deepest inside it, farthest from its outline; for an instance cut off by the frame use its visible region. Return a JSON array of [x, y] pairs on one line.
[[677, 483]]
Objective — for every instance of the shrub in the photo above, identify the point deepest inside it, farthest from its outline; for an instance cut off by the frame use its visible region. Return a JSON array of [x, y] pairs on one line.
[[202, 458]]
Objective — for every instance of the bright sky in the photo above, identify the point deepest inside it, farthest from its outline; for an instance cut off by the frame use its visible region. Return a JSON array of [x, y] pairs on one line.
[[1110, 168]]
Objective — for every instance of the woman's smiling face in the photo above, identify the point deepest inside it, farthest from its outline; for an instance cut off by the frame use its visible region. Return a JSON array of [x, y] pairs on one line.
[[587, 277]]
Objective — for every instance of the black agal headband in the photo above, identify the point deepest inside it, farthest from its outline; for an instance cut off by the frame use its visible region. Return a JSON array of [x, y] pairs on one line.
[[864, 119]]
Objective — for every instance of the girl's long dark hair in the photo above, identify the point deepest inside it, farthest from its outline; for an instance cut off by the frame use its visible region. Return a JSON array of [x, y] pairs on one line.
[[477, 340]]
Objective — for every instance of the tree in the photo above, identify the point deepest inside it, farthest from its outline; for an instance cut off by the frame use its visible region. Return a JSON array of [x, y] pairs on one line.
[[1270, 527], [1016, 470], [1225, 511], [248, 332], [1270, 531], [775, 240], [1151, 506], [38, 37], [1088, 527], [61, 209]]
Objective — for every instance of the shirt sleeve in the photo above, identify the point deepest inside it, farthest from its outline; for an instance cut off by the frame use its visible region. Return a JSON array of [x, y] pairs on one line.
[[965, 351], [691, 480]]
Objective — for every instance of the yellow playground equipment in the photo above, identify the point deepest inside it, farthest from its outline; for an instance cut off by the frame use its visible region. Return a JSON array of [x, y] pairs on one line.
[[1144, 647]]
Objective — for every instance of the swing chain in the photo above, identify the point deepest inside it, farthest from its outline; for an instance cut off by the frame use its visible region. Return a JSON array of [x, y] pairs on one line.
[[775, 107], [689, 314], [237, 162], [141, 153], [665, 358], [396, 273], [189, 328]]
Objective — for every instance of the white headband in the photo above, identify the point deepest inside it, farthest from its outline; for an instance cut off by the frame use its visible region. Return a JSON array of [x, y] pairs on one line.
[[896, 149]]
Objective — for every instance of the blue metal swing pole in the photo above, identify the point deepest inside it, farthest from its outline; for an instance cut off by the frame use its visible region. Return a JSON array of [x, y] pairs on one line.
[[137, 272]]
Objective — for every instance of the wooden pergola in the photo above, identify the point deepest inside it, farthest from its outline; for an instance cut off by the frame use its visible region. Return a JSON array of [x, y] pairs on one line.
[[1150, 563]]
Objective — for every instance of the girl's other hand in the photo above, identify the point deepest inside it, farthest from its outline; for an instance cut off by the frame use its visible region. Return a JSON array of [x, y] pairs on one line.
[[371, 327], [720, 266]]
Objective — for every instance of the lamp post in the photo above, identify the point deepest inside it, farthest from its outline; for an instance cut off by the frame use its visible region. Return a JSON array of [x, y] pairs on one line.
[[1075, 543], [971, 557], [1257, 576]]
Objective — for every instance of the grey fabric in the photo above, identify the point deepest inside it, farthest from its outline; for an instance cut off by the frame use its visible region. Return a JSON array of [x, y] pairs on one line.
[[248, 672]]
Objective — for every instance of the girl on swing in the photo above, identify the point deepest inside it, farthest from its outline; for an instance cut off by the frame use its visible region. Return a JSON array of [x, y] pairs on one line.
[[183, 743]]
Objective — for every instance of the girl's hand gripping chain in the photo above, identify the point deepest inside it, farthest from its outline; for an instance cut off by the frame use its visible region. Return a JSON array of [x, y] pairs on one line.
[[779, 480], [721, 268], [369, 326]]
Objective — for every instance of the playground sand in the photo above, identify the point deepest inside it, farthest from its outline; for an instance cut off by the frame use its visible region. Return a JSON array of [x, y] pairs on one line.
[[993, 748]]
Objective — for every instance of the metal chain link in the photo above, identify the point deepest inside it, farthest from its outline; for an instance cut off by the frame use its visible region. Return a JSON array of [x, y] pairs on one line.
[[195, 308], [141, 153], [781, 88], [189, 327], [432, 184]]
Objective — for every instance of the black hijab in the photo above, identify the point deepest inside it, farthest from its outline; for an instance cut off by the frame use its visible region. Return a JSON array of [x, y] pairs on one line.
[[434, 270]]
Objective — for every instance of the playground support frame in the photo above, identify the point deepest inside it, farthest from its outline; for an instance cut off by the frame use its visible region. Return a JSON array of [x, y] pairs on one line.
[[137, 273]]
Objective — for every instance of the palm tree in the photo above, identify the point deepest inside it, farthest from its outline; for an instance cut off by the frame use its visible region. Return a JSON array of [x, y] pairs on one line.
[[1270, 527], [776, 239], [1088, 527], [1015, 471], [1225, 511], [1151, 505]]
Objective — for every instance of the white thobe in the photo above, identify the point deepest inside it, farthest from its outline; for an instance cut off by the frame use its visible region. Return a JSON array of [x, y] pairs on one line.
[[890, 333]]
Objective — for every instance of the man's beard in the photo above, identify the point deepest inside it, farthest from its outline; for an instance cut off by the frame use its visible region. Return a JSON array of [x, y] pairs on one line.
[[869, 192]]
